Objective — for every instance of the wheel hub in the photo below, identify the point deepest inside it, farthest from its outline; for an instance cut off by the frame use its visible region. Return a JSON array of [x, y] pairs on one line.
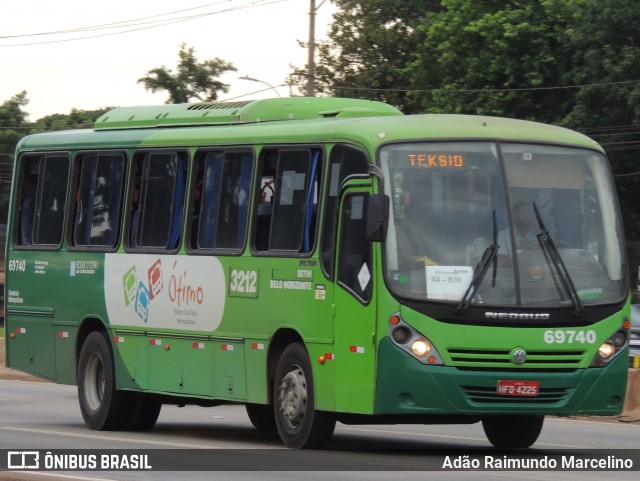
[[94, 386], [293, 398]]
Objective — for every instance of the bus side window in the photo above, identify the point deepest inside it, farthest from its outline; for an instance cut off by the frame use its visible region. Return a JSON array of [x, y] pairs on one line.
[[288, 200], [157, 204], [210, 203], [98, 198], [43, 200], [234, 200], [343, 162], [355, 266], [221, 201]]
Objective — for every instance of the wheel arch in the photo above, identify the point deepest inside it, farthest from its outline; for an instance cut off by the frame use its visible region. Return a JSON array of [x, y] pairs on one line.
[[87, 326]]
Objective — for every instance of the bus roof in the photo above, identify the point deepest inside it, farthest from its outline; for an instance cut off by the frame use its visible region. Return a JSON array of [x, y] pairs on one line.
[[250, 111], [291, 120]]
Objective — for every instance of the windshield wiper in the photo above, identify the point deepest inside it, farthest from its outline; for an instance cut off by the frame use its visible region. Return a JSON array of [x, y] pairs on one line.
[[559, 270], [488, 256]]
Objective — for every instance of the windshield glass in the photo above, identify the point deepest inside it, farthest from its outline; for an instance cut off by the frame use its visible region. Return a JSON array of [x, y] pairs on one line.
[[451, 206]]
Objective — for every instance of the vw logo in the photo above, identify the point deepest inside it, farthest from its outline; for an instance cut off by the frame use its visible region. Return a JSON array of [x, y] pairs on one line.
[[519, 356]]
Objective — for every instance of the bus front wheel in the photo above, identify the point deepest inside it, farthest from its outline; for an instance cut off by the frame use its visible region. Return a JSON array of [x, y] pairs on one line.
[[299, 424], [103, 407], [513, 431]]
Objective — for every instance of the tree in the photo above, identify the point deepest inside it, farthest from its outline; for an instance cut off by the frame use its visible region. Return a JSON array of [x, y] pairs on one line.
[[491, 57], [13, 123], [371, 44], [13, 126], [193, 79], [76, 119], [606, 46]]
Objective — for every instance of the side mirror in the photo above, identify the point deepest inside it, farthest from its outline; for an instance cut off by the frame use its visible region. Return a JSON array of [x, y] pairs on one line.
[[377, 217]]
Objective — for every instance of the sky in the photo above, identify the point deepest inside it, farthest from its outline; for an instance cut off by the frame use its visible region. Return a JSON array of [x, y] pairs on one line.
[[95, 65]]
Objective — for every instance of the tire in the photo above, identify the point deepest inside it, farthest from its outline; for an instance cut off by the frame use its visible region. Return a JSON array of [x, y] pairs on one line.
[[299, 424], [102, 406], [261, 416], [513, 431], [143, 413]]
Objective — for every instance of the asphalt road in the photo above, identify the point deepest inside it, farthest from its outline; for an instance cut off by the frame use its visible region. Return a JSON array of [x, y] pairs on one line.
[[44, 416]]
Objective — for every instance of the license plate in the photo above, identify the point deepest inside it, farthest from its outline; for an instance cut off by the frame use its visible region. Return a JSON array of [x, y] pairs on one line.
[[518, 388]]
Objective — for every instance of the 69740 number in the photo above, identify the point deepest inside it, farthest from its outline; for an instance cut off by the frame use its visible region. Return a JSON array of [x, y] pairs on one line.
[[568, 336]]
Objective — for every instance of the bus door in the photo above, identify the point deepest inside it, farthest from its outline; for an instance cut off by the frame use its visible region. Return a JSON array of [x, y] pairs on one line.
[[355, 307]]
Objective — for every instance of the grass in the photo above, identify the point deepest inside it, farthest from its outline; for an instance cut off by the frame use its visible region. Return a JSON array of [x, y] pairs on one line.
[[1, 331]]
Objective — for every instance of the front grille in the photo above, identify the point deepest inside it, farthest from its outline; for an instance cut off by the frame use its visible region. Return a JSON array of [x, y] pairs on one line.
[[502, 359], [480, 394]]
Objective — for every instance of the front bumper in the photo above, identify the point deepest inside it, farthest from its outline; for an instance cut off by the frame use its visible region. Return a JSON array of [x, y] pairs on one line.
[[405, 386]]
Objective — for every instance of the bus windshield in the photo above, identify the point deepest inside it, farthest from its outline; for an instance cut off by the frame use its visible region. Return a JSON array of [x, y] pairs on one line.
[[507, 224]]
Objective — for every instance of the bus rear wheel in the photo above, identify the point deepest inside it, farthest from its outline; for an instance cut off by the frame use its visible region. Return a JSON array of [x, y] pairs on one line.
[[513, 431], [103, 407], [299, 424]]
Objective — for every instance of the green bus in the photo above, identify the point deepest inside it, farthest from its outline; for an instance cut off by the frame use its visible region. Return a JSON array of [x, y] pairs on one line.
[[319, 260]]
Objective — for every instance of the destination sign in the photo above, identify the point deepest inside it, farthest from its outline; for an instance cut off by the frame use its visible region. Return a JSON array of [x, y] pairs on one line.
[[435, 160]]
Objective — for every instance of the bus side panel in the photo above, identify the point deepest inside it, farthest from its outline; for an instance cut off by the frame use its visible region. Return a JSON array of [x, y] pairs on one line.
[[30, 311], [180, 365], [65, 335], [132, 360], [322, 358], [229, 371], [269, 295], [30, 346], [255, 353]]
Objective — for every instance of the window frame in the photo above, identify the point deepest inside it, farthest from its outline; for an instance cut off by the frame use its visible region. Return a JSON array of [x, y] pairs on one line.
[[259, 175], [119, 223], [184, 156], [328, 267], [199, 157], [17, 210], [368, 293]]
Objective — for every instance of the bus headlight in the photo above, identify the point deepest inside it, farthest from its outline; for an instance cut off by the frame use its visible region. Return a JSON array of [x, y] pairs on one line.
[[411, 341], [421, 348], [612, 346], [606, 350]]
